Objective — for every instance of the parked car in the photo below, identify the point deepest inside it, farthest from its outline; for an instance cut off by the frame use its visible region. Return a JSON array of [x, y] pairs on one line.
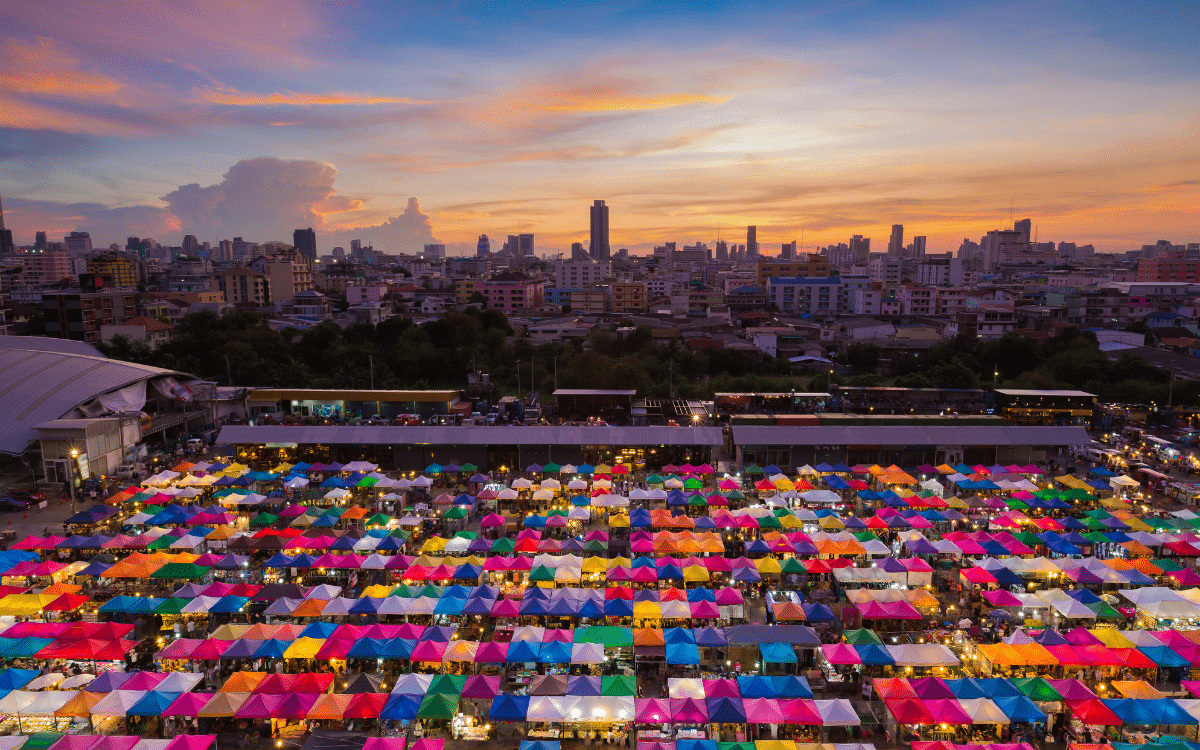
[[32, 496], [10, 504]]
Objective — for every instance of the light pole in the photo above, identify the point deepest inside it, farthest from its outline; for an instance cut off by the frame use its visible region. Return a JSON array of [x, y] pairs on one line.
[[71, 478], [995, 376], [829, 380]]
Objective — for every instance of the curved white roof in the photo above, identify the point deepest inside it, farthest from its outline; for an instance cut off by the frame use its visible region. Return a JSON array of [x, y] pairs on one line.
[[38, 385]]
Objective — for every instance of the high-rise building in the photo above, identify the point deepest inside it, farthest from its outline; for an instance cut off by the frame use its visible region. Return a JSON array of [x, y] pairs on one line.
[[917, 248], [861, 247], [1025, 227], [751, 241], [520, 244], [39, 241], [191, 246], [722, 250], [1001, 245], [78, 243], [433, 251], [305, 241], [6, 240], [484, 247], [599, 246], [896, 243], [788, 251]]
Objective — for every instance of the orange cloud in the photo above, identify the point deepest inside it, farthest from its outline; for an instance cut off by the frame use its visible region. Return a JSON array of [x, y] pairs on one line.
[[37, 68], [611, 99], [232, 97]]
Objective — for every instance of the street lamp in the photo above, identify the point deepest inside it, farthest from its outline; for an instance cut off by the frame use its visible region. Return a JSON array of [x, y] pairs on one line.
[[71, 478], [995, 375], [829, 379]]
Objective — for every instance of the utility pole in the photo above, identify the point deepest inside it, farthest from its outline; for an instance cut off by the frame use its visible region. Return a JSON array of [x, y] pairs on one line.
[[1171, 389], [371, 360], [671, 382], [556, 372], [518, 380], [228, 370]]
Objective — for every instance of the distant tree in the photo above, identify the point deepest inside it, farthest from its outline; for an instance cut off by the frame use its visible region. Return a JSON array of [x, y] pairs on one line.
[[864, 358]]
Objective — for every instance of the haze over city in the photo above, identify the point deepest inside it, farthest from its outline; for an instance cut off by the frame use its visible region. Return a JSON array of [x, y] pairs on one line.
[[811, 121]]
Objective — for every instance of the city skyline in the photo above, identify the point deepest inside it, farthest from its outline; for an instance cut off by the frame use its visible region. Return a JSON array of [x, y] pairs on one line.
[[819, 122]]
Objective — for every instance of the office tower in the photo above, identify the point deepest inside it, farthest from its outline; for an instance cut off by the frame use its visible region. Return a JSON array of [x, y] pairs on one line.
[[896, 243], [599, 247], [1001, 245], [78, 243], [918, 247], [355, 247], [788, 251], [751, 241], [339, 253], [579, 253], [484, 247], [224, 251], [39, 241], [722, 250], [305, 241], [6, 240], [1025, 227], [191, 246], [861, 247], [243, 251], [520, 244], [433, 251]]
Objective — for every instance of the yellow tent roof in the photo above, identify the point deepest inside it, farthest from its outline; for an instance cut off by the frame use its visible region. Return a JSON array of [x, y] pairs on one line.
[[955, 502], [303, 648], [594, 565], [433, 544], [1137, 689], [768, 565], [647, 609], [1112, 638], [619, 521], [696, 573], [378, 591], [618, 562], [223, 531], [1001, 654], [24, 605], [229, 632], [830, 522]]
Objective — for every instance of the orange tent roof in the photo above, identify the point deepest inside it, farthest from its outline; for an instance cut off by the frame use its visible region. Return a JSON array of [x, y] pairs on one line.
[[648, 637], [80, 704], [1137, 689], [242, 682], [788, 611], [330, 706], [310, 608], [1035, 654], [1001, 654]]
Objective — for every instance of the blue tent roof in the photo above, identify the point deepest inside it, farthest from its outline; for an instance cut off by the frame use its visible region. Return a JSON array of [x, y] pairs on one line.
[[153, 703], [509, 707], [682, 653], [401, 707], [791, 686], [777, 653], [756, 686]]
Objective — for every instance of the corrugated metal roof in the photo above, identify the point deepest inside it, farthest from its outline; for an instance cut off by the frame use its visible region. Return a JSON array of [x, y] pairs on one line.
[[48, 344], [903, 435], [38, 386], [1026, 392], [467, 435]]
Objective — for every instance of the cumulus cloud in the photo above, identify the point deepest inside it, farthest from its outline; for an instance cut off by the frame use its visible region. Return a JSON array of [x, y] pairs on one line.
[[260, 199], [264, 198]]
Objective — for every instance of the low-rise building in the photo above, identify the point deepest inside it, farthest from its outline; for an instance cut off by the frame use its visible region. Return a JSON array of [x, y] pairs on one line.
[[242, 286]]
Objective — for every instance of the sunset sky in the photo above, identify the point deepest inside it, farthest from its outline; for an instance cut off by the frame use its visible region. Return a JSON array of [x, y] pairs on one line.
[[812, 120]]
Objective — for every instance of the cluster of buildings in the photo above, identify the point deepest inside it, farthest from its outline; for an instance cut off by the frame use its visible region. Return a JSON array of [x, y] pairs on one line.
[[798, 303]]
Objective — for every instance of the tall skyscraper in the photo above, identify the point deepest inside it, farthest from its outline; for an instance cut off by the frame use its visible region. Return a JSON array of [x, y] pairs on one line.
[[599, 247], [191, 246], [896, 243], [1025, 227], [483, 247], [751, 241], [520, 244], [6, 240], [722, 250], [78, 243], [861, 247], [305, 241], [788, 251], [39, 241], [918, 247]]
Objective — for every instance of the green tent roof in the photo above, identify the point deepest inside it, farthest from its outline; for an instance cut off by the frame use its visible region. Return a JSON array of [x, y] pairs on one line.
[[1036, 689], [447, 684], [455, 513], [438, 706], [503, 544], [541, 573], [618, 685], [181, 570], [862, 637], [264, 519], [172, 606]]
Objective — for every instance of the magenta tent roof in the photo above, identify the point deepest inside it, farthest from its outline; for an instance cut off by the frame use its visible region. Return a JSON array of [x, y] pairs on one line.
[[728, 596], [841, 653], [688, 711], [491, 652], [721, 689], [1072, 689], [481, 686], [192, 742], [800, 711], [429, 651], [187, 704], [947, 711], [651, 710], [762, 711], [492, 519], [1001, 598], [384, 743]]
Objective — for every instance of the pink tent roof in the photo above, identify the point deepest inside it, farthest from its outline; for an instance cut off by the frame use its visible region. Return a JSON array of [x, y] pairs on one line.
[[762, 711], [800, 711], [729, 596], [688, 711], [947, 711], [722, 689], [429, 651], [841, 653], [191, 742], [384, 743], [187, 704], [651, 710], [1000, 598]]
